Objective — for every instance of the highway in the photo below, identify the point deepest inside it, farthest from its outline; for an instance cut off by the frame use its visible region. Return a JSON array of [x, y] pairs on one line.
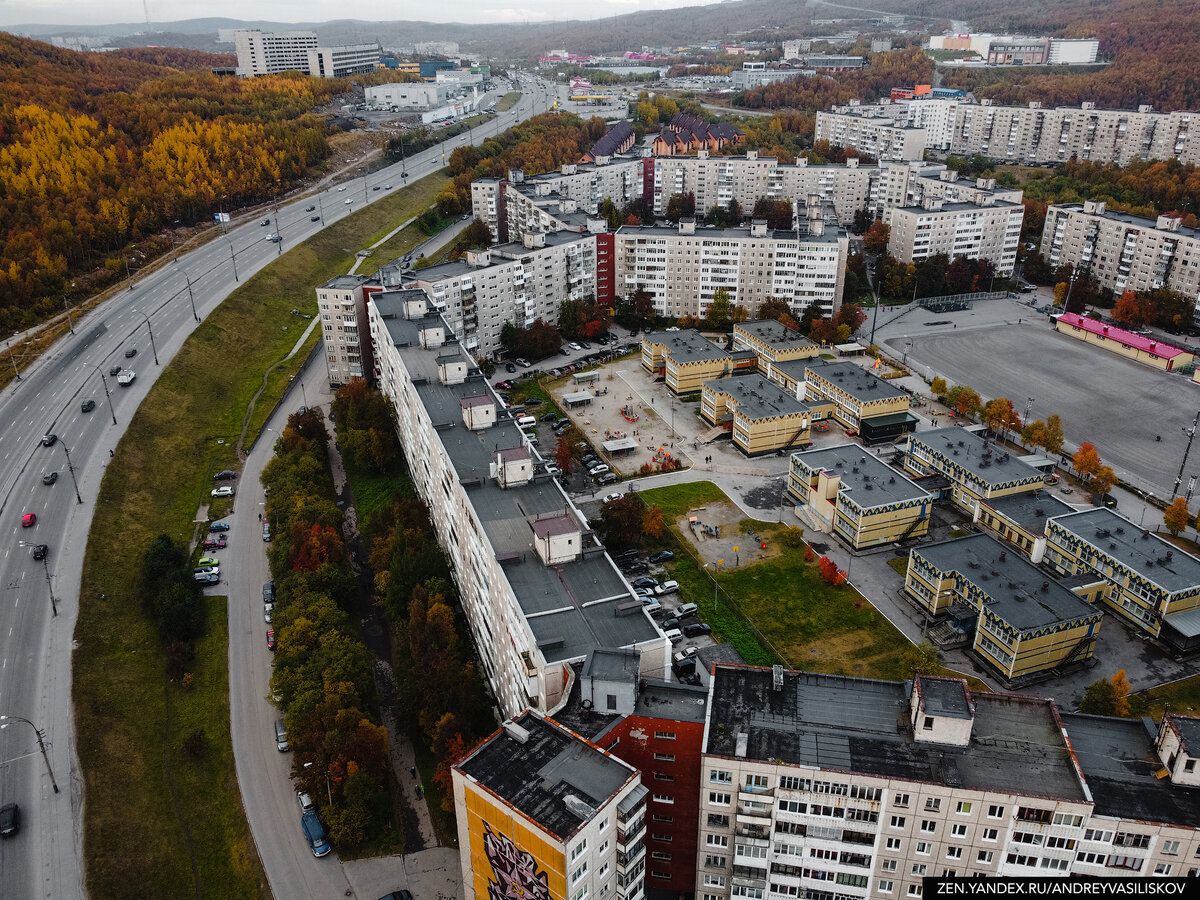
[[45, 858]]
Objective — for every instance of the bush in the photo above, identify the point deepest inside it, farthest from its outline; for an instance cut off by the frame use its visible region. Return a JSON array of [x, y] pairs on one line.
[[793, 537]]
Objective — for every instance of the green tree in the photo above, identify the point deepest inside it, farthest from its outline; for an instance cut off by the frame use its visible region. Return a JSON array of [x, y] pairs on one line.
[[1052, 438], [718, 312], [681, 206], [1099, 699], [919, 659], [938, 386]]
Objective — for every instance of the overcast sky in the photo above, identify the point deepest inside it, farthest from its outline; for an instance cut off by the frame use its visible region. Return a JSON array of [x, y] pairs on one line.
[[101, 12]]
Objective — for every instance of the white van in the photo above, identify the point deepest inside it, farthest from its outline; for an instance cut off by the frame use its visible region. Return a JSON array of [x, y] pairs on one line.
[[526, 422], [674, 635]]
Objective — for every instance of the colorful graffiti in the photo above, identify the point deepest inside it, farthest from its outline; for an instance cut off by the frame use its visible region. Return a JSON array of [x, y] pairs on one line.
[[517, 874]]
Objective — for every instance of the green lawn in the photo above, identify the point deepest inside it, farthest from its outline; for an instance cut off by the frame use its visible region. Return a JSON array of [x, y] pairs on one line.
[[134, 842], [676, 499], [1181, 697], [507, 102]]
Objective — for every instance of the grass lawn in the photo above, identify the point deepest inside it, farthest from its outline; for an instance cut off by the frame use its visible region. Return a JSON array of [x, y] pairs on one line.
[[1181, 697], [374, 493], [184, 431], [507, 102], [677, 499], [900, 564]]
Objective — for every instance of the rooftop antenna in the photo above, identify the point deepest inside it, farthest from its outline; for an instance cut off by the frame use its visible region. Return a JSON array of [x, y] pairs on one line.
[[146, 10]]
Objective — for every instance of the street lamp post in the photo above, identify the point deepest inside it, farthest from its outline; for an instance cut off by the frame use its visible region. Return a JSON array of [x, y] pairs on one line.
[[50, 586], [153, 349], [107, 395], [233, 259], [13, 359], [1142, 520], [66, 306], [41, 744], [364, 178], [191, 297], [328, 789], [71, 469]]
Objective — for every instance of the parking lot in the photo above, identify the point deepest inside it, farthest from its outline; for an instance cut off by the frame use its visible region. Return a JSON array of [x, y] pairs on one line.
[[1005, 349]]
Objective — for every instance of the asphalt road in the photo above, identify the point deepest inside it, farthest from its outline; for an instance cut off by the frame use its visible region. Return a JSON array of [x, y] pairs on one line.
[[45, 859]]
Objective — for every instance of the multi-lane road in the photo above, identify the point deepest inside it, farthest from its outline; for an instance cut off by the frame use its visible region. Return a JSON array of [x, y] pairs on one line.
[[45, 859]]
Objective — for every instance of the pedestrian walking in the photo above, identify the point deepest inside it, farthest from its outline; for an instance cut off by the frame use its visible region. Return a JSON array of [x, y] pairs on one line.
[[412, 770]]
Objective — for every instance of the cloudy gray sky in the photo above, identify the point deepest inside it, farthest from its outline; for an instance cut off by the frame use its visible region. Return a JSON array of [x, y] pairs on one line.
[[100, 12]]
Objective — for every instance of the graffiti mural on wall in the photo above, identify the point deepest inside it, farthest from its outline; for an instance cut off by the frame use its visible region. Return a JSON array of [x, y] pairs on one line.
[[516, 872]]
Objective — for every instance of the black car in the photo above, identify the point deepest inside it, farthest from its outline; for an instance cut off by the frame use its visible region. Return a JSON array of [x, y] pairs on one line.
[[114, 371], [309, 208], [225, 475], [219, 526], [662, 556], [670, 623], [645, 581], [509, 367], [49, 439], [87, 405], [696, 629], [533, 401], [397, 895], [50, 478], [131, 353], [549, 417], [314, 218], [40, 551], [10, 819]]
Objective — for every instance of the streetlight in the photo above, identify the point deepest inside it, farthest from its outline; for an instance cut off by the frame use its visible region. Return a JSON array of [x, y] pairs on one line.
[[128, 273], [104, 382], [41, 744], [233, 259], [1149, 497], [195, 315], [328, 789], [153, 349], [363, 170], [71, 469], [12, 358], [70, 323], [50, 586]]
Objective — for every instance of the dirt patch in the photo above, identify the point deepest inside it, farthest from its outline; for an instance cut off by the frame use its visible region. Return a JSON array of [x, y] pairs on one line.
[[718, 529]]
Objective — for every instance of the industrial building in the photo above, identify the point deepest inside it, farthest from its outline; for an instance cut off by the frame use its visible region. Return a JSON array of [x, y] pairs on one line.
[[1120, 251], [1014, 50], [408, 94]]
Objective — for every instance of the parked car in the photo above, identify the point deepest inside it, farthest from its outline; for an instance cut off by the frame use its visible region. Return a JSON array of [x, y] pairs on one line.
[[208, 561], [267, 608], [10, 819], [281, 741], [609, 498], [271, 639], [696, 629], [216, 543], [662, 556], [225, 491], [314, 833], [218, 526], [666, 587], [598, 469], [305, 801], [266, 532], [670, 624], [225, 475], [646, 581], [50, 478], [549, 417], [524, 363], [533, 401], [607, 478], [87, 405], [510, 367]]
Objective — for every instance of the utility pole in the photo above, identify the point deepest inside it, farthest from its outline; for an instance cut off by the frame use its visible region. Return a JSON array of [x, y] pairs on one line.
[[233, 259], [1028, 410], [1191, 433], [70, 323], [191, 297], [71, 469], [107, 395], [153, 349], [49, 586], [1191, 488], [13, 359], [41, 745]]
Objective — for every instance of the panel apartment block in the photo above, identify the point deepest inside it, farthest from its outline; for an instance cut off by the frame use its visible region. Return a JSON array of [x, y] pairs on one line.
[[341, 302], [991, 232], [821, 785], [1122, 251], [870, 132], [536, 587], [546, 815], [684, 267], [343, 62]]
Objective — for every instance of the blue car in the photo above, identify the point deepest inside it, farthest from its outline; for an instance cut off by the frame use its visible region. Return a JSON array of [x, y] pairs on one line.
[[662, 556], [219, 526]]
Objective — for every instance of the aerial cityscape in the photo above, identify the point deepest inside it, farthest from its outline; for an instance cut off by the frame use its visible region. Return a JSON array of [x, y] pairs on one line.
[[729, 451]]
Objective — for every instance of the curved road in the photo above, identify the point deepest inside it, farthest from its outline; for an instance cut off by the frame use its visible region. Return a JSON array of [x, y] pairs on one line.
[[45, 859]]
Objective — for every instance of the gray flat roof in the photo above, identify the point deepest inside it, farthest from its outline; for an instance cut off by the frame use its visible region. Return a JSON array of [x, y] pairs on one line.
[[1030, 509], [853, 379], [611, 665], [1116, 216], [671, 701], [571, 608], [540, 775], [986, 462], [861, 726], [1119, 761], [874, 484], [946, 697], [344, 282], [688, 345], [728, 234], [1142, 553], [776, 334], [758, 398], [959, 206], [1012, 582]]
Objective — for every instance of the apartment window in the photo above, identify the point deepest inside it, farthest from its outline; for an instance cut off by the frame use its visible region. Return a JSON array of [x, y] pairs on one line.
[[665, 819], [1065, 819], [922, 848], [712, 897], [1017, 859], [659, 776], [984, 857], [1033, 814], [1060, 843], [713, 861], [716, 881], [792, 783], [995, 812], [1055, 865], [958, 831], [963, 808], [663, 798], [581, 893], [579, 873], [716, 840], [1095, 834], [920, 869], [1091, 859], [1136, 841], [1162, 868], [885, 887], [932, 804], [719, 776], [660, 856], [894, 844], [717, 821], [928, 826], [1170, 848], [914, 890], [897, 822], [665, 757], [757, 782], [717, 798], [888, 865], [954, 853], [901, 800], [665, 735], [578, 849]]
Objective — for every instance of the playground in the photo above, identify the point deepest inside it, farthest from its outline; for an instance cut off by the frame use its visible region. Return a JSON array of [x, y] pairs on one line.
[[725, 539]]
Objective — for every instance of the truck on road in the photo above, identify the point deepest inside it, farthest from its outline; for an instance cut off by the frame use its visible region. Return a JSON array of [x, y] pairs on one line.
[[125, 379]]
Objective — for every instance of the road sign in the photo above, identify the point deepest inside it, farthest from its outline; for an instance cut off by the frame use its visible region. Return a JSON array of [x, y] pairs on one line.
[[221, 217]]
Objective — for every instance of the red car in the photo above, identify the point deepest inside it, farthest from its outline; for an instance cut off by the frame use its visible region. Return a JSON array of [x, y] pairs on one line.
[[28, 519], [270, 638], [216, 543]]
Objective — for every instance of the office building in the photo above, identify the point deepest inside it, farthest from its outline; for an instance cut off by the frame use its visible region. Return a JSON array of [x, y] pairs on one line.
[[821, 785], [991, 232], [544, 814], [268, 52], [857, 497], [1121, 251], [537, 589], [1148, 582], [760, 416], [343, 62], [342, 305], [977, 470], [1014, 50], [1017, 620]]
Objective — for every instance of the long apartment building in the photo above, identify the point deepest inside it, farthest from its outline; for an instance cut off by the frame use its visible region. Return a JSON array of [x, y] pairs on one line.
[[684, 267], [515, 282], [1020, 134], [822, 785], [991, 232], [1122, 251], [538, 590], [269, 52], [342, 306]]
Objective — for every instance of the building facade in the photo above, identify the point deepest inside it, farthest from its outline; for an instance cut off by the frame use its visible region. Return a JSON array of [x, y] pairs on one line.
[[342, 304], [760, 416], [1121, 251], [268, 52], [991, 232], [976, 469], [861, 400], [870, 132], [545, 814], [1137, 347], [407, 94], [343, 62]]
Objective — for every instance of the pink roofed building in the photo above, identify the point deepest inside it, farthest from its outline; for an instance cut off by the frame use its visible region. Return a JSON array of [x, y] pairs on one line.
[[1138, 347]]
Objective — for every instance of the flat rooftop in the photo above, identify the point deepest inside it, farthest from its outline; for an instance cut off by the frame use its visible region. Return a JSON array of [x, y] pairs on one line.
[[867, 482], [1118, 216], [1030, 509], [861, 726], [757, 398], [853, 379], [705, 233], [686, 346], [673, 701], [1146, 555], [986, 463], [1119, 761], [1128, 338], [344, 282], [775, 334], [555, 778], [1012, 582], [960, 206], [571, 608]]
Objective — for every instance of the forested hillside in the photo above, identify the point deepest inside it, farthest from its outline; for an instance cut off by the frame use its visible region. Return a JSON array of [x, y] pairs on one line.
[[97, 151]]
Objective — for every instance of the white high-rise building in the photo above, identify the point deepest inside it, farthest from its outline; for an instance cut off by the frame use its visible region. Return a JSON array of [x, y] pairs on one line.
[[268, 52], [957, 229]]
